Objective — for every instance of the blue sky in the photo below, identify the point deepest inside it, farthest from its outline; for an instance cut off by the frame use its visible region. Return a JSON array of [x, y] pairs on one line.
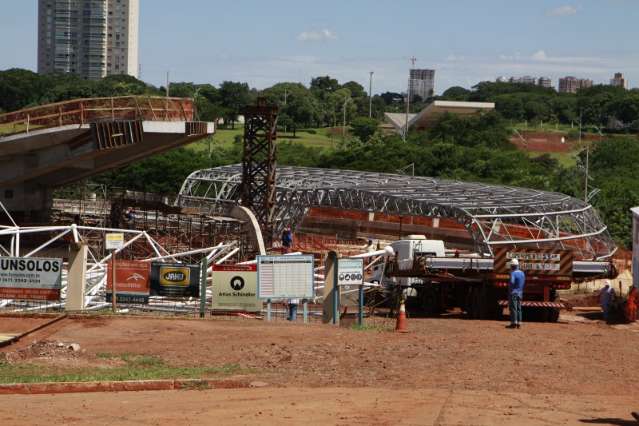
[[466, 41]]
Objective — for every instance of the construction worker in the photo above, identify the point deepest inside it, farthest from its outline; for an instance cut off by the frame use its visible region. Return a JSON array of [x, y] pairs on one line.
[[606, 296], [631, 305], [287, 239], [369, 246], [292, 309], [515, 294]]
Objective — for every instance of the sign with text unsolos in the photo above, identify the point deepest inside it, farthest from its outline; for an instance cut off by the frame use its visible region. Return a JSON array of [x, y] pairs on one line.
[[235, 288], [30, 278], [132, 282], [175, 280]]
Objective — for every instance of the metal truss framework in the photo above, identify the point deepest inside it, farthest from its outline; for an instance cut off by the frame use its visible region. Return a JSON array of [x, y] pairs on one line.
[[258, 164], [138, 245], [493, 215]]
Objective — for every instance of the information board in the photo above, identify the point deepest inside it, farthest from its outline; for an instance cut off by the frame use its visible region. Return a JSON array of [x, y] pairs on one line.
[[285, 277], [350, 272], [175, 280], [30, 278], [132, 282], [235, 288], [534, 261], [114, 241]]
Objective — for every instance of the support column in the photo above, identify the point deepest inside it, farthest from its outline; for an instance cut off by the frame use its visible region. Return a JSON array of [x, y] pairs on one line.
[[77, 277]]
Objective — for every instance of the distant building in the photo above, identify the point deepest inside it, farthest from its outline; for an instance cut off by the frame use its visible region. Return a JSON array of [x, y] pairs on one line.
[[619, 81], [427, 117], [422, 83], [544, 82], [91, 38], [571, 84]]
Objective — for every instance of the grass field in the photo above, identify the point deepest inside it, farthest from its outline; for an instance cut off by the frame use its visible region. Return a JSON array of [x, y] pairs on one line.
[[225, 138], [128, 367]]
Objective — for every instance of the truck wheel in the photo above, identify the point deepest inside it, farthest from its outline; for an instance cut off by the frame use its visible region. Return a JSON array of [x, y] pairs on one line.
[[553, 315], [489, 305]]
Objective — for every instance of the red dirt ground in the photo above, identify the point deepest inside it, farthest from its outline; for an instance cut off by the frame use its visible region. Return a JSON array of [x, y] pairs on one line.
[[544, 373]]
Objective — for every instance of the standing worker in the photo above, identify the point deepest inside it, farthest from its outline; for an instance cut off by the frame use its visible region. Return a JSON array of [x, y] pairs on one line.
[[606, 296], [292, 309], [516, 293], [287, 239]]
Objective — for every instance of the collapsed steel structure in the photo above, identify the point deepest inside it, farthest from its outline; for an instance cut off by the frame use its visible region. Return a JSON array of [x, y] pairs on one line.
[[493, 215]]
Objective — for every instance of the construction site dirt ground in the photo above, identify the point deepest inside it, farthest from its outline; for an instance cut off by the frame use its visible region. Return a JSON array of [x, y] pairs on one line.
[[445, 371]]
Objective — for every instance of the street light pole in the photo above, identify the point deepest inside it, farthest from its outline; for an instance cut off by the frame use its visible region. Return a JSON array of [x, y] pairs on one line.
[[412, 61], [344, 124], [370, 95]]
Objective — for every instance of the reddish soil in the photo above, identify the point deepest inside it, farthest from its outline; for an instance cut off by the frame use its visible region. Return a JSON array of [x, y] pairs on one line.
[[577, 369], [547, 142]]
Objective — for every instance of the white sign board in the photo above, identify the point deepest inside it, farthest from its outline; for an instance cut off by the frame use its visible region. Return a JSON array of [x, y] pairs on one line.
[[114, 241], [635, 246], [350, 272], [30, 278], [285, 277]]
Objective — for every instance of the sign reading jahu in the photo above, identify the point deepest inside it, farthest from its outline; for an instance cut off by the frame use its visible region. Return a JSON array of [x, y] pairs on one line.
[[175, 280]]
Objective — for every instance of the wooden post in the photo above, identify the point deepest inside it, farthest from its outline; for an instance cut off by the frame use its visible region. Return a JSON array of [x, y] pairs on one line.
[[113, 281]]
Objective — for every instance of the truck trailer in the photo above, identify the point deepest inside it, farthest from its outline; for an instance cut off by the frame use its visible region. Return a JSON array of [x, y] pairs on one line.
[[434, 280]]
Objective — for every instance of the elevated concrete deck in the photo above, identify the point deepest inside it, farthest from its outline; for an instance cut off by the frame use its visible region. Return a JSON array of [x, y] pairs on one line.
[[85, 138]]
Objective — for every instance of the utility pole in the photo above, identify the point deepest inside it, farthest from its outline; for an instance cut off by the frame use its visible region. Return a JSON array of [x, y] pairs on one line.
[[167, 83], [587, 160], [412, 61], [344, 124], [285, 99], [370, 95]]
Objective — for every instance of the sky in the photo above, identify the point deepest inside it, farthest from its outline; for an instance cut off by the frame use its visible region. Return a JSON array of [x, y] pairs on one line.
[[466, 41]]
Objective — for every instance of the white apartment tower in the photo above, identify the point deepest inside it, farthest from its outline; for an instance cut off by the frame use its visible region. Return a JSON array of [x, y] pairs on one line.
[[91, 38], [421, 83]]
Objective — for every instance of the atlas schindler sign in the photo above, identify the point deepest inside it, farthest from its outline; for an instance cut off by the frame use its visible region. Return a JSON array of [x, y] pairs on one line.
[[30, 278]]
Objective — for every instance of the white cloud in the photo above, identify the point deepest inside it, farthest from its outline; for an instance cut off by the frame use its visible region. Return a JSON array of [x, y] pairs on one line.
[[540, 55], [566, 10], [321, 35]]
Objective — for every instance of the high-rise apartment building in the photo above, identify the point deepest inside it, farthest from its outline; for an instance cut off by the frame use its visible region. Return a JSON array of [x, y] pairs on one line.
[[91, 38], [619, 81], [572, 84], [422, 83], [544, 82]]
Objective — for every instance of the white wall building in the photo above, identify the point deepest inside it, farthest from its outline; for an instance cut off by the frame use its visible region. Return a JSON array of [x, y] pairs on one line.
[[91, 38]]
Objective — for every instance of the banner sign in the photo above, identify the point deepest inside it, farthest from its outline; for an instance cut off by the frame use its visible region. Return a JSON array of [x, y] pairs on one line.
[[235, 288], [114, 242], [635, 246], [30, 278], [534, 262], [175, 280], [350, 272], [285, 277], [132, 283]]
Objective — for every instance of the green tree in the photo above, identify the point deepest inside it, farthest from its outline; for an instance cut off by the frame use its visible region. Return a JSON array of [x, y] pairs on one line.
[[234, 98], [364, 128]]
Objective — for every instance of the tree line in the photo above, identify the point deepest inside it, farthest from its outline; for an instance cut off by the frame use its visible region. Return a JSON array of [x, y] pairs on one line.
[[472, 148]]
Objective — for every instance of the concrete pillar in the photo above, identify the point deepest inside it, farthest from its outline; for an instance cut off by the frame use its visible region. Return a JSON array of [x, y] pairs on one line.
[[77, 277], [330, 311]]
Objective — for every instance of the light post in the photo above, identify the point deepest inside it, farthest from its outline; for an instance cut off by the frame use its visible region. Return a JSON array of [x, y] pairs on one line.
[[344, 123], [370, 95]]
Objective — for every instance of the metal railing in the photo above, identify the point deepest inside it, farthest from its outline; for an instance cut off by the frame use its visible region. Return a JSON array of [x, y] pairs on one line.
[[85, 111]]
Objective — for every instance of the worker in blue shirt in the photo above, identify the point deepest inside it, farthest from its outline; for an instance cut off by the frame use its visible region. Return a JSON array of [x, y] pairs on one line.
[[515, 293]]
